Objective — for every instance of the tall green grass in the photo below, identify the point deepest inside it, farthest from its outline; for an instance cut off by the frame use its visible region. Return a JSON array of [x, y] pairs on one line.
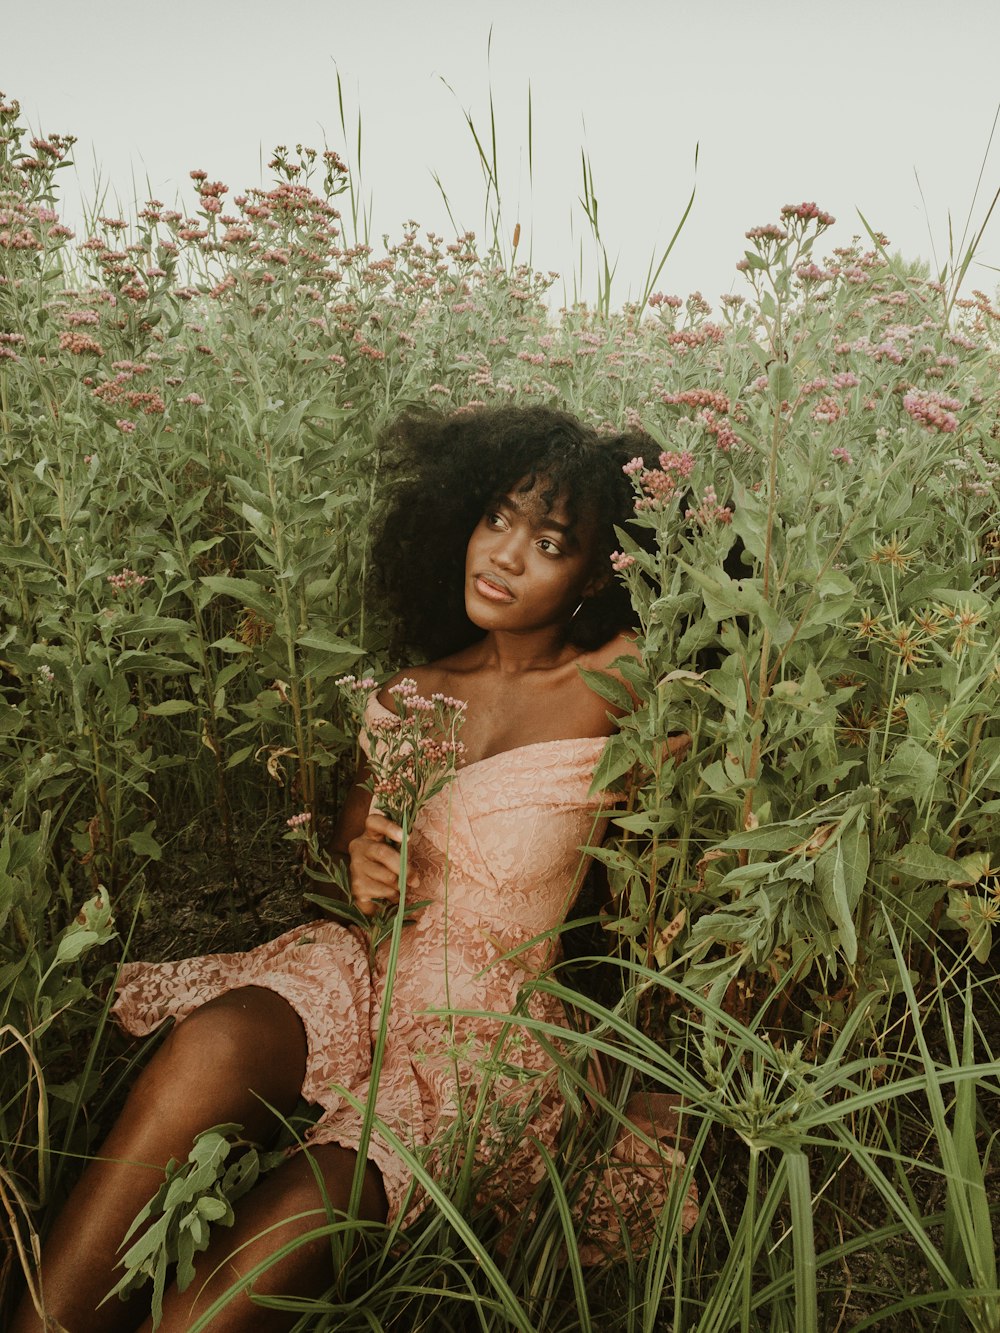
[[801, 929]]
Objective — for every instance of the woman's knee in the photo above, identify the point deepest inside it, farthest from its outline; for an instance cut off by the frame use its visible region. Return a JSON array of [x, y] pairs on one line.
[[246, 1040]]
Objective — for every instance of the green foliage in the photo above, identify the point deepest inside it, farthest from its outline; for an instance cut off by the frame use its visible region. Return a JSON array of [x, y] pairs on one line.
[[175, 1225], [803, 898]]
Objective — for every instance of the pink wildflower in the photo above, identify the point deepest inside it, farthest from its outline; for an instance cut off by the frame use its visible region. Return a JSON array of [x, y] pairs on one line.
[[841, 455], [126, 579], [812, 273], [699, 398], [769, 231], [620, 561], [827, 410], [709, 512], [79, 344], [935, 411], [807, 213]]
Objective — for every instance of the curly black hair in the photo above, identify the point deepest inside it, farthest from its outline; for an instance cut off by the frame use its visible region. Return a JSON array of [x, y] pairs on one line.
[[437, 477]]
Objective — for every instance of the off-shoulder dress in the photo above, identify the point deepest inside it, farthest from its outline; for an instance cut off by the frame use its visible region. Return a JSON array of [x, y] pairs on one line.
[[498, 851]]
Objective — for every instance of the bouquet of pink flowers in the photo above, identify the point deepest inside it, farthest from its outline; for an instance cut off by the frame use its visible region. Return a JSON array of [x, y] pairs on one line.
[[414, 754], [414, 750]]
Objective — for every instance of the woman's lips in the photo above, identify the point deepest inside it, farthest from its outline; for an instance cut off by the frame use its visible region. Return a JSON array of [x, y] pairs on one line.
[[492, 588]]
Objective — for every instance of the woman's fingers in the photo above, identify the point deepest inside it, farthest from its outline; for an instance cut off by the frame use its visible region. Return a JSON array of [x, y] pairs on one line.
[[375, 864], [369, 903], [378, 827]]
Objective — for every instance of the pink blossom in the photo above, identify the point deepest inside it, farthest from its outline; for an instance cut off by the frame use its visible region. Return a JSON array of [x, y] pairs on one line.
[[127, 578], [633, 466], [768, 231], [841, 455], [827, 410], [807, 213], [699, 398], [709, 512], [126, 427], [846, 379], [297, 821], [812, 273], [935, 411], [620, 561], [79, 344]]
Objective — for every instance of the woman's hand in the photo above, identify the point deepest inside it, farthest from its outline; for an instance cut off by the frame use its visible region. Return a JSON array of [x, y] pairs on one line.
[[375, 863]]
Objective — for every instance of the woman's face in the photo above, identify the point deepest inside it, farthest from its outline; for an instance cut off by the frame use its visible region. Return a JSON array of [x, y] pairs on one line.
[[526, 566]]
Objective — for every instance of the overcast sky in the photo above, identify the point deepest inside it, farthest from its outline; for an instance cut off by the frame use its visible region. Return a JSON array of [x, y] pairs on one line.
[[843, 101]]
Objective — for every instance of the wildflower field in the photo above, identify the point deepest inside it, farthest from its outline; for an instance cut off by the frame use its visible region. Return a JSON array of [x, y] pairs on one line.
[[801, 934]]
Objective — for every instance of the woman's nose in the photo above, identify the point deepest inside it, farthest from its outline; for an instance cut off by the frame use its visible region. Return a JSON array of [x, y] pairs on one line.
[[506, 553]]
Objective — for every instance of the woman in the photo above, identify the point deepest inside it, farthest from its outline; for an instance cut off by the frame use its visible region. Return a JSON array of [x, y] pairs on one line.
[[494, 550]]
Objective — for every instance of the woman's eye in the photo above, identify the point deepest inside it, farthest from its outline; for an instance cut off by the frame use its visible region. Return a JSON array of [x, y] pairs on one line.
[[549, 547]]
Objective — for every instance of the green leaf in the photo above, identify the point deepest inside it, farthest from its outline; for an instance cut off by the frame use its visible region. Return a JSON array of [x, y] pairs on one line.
[[912, 771], [244, 591], [780, 382], [918, 861], [144, 844], [170, 708], [609, 688], [325, 642], [75, 941], [835, 895], [616, 759]]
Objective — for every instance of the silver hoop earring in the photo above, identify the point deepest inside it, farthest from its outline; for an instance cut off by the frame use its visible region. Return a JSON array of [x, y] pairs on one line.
[[576, 612]]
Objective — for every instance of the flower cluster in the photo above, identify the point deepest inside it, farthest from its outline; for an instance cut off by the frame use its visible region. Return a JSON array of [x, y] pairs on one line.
[[935, 411], [709, 512], [414, 753], [768, 231], [661, 484], [128, 578], [79, 344], [807, 213]]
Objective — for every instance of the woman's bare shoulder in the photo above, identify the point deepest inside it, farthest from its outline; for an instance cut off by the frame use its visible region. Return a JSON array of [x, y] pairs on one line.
[[429, 678], [622, 645]]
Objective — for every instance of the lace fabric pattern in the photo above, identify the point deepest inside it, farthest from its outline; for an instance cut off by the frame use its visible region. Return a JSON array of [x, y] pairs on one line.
[[499, 862]]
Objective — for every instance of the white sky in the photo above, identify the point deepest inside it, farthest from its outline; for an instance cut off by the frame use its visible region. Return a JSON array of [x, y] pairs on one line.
[[840, 101]]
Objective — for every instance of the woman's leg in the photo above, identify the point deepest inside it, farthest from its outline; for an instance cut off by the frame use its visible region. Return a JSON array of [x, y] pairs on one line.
[[262, 1226], [220, 1064]]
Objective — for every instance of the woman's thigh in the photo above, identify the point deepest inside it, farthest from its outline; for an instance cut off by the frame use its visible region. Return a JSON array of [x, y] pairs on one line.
[[239, 1054]]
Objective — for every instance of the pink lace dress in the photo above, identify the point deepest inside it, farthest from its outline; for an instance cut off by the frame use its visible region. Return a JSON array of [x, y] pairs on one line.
[[499, 862]]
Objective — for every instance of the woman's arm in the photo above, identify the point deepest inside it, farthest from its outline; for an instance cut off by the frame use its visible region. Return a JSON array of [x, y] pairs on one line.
[[368, 842]]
